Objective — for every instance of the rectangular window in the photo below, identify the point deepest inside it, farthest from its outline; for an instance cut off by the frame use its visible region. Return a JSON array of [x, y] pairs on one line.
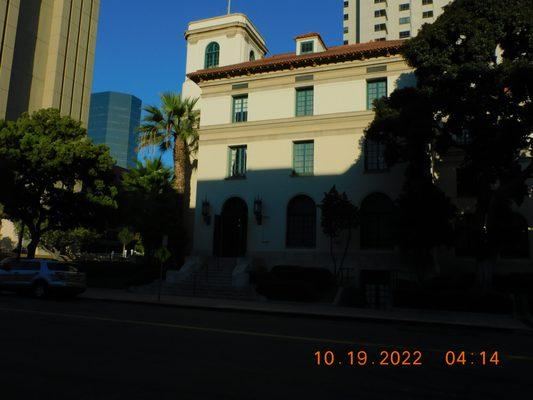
[[375, 89], [380, 13], [375, 156], [303, 158], [346, 17], [379, 1], [237, 161], [304, 101], [427, 14], [307, 47], [346, 29], [405, 20], [380, 27], [405, 7], [346, 4], [405, 34], [426, 2], [240, 108]]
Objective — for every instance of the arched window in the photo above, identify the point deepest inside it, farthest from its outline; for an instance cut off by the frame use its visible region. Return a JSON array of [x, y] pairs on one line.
[[212, 55], [515, 237], [301, 222], [377, 212], [252, 55]]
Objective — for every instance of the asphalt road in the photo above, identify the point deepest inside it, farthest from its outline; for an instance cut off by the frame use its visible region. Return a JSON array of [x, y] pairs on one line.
[[87, 349]]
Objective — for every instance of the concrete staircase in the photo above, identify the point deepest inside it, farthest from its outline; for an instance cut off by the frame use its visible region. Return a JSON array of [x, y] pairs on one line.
[[212, 280]]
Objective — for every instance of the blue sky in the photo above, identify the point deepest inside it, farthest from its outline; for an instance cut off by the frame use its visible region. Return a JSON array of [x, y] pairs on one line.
[[141, 49]]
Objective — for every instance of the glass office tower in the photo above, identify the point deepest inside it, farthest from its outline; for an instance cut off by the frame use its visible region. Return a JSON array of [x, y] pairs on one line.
[[113, 120]]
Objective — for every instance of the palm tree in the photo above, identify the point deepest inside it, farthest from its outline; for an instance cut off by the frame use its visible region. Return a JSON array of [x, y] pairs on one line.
[[174, 125]]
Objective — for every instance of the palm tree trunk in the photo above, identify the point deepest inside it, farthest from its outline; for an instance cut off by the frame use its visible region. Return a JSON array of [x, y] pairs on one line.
[[180, 179]]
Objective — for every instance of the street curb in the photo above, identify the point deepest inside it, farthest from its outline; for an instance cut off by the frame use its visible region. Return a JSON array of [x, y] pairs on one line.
[[379, 319]]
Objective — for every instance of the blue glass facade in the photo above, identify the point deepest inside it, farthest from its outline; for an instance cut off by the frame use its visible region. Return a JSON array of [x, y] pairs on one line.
[[113, 120]]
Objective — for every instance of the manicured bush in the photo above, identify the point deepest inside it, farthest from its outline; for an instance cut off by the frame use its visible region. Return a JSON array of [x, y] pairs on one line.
[[352, 296], [289, 282], [454, 300], [117, 275]]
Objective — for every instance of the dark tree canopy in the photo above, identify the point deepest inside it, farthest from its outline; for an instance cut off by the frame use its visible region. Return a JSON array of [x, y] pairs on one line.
[[149, 205], [474, 70], [53, 177]]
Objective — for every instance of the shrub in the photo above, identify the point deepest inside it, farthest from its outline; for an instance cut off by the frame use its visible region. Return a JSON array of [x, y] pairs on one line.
[[117, 275], [288, 282]]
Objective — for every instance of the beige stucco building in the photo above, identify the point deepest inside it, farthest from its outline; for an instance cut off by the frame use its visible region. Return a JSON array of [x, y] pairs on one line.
[[278, 132], [47, 56], [370, 20]]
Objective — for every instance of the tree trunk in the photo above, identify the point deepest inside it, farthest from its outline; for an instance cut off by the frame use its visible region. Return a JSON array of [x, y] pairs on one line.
[[346, 246], [180, 172], [32, 248], [332, 252]]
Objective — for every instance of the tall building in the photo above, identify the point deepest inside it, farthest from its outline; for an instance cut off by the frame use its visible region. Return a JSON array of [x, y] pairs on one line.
[[47, 56], [113, 120], [375, 20], [278, 132]]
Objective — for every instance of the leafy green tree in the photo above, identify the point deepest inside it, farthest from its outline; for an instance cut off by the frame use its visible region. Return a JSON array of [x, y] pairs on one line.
[[126, 237], [70, 243], [148, 205], [339, 217], [474, 70], [53, 176], [174, 126]]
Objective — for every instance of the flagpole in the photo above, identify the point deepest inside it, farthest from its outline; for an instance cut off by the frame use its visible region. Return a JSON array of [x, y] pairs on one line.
[[229, 7]]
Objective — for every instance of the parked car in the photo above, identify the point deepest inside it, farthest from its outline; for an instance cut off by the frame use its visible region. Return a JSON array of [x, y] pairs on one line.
[[41, 277]]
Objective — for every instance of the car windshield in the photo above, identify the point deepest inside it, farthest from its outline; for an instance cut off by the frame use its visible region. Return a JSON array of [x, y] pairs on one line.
[[61, 267]]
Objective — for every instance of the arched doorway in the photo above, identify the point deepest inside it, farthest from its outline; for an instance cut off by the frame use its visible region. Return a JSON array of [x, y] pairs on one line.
[[231, 229], [377, 211]]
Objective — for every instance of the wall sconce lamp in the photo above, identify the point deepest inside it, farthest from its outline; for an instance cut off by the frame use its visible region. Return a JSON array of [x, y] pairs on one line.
[[258, 211], [206, 212]]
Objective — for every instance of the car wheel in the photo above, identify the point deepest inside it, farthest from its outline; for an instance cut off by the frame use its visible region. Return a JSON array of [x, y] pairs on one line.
[[40, 290]]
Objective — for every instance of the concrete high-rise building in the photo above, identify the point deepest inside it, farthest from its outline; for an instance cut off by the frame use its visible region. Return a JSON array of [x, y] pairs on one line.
[[47, 56], [375, 20], [113, 120]]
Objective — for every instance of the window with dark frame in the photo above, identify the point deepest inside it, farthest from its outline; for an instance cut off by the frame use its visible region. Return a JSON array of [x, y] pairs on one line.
[[237, 158], [307, 47], [380, 13], [301, 223], [426, 2], [405, 7], [240, 108], [375, 156], [304, 101], [303, 158], [427, 14], [405, 20], [377, 214], [380, 27], [346, 17], [212, 55], [405, 34], [375, 89]]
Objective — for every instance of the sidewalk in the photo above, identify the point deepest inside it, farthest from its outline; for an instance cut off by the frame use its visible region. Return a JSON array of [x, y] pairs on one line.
[[472, 320]]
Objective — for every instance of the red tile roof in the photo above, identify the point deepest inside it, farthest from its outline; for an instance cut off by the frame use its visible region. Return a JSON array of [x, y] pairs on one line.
[[290, 60]]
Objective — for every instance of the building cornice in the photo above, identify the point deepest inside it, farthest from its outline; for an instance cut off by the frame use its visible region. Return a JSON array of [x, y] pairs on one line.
[[290, 61], [326, 124]]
